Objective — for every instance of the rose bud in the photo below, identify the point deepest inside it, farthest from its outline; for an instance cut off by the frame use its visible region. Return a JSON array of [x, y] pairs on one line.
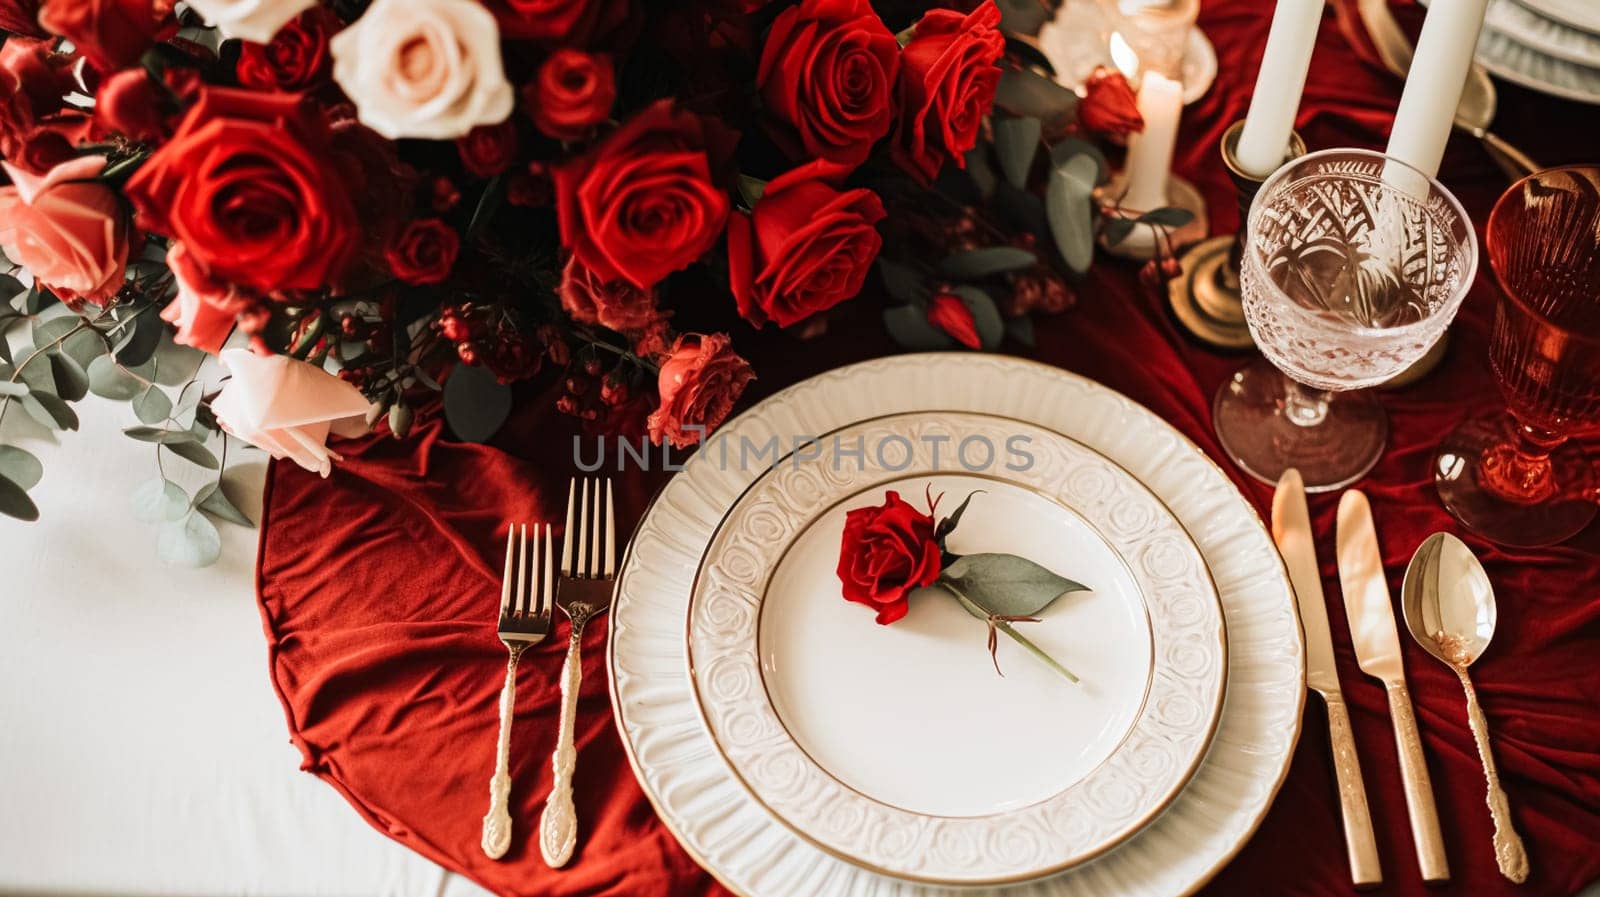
[[617, 305], [948, 313], [698, 384], [488, 150], [130, 104], [399, 420], [571, 93], [1109, 105], [423, 252]]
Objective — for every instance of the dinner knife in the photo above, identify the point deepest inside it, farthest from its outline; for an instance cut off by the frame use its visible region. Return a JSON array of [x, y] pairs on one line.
[[1371, 611], [1291, 530]]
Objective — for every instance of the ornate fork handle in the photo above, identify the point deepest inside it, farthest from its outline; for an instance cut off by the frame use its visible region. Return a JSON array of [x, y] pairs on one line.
[[497, 822], [558, 826]]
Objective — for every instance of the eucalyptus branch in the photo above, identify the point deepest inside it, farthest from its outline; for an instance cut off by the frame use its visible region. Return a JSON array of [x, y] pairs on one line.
[[1005, 626]]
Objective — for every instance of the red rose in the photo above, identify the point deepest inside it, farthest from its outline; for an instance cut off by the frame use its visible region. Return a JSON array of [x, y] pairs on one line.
[[21, 17], [827, 75], [885, 554], [572, 92], [111, 34], [646, 202], [131, 104], [948, 78], [806, 247], [488, 150], [424, 251], [581, 23], [248, 184], [44, 76], [699, 382], [296, 58], [1109, 105], [950, 314], [617, 305]]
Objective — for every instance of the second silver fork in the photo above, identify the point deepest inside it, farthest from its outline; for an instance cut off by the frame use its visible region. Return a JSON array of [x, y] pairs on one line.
[[524, 621]]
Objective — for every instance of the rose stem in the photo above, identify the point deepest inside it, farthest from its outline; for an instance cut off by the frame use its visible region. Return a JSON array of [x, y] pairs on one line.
[[1005, 627]]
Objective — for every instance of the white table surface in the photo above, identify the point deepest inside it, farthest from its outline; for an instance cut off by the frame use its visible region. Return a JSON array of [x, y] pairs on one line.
[[142, 750]]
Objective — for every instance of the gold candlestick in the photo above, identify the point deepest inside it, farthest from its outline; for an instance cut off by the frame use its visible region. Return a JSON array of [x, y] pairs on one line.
[[1205, 296]]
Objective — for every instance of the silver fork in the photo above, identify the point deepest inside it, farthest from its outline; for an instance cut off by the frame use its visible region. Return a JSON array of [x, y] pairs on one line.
[[584, 593], [524, 621]]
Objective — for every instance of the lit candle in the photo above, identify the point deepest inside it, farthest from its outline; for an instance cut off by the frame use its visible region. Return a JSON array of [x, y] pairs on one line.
[[1433, 87], [1264, 140], [1150, 151]]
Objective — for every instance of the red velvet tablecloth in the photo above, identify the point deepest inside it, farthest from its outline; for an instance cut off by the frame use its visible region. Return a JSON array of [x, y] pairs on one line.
[[377, 586]]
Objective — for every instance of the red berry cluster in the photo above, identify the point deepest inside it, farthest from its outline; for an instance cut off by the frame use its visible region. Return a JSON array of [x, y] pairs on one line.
[[591, 391], [487, 335]]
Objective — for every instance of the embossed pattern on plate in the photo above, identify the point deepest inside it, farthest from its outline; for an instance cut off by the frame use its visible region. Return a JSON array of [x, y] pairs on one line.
[[749, 851], [1157, 753]]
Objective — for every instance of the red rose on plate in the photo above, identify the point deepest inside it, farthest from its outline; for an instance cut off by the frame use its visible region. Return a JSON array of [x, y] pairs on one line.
[[488, 150], [249, 186], [698, 384], [827, 75], [580, 23], [112, 34], [806, 247], [885, 554], [296, 57], [646, 201], [948, 78], [1109, 105], [424, 252], [617, 305], [572, 92]]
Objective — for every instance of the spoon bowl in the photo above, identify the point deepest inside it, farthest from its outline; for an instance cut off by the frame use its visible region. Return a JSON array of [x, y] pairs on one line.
[[1448, 601]]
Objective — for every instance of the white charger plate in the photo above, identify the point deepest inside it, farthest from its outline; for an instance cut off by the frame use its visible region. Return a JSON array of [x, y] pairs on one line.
[[752, 853], [1538, 71], [1581, 14], [1548, 36], [898, 747]]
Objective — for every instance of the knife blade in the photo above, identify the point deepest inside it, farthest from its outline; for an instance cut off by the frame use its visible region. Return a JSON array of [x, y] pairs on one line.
[[1291, 530], [1370, 609]]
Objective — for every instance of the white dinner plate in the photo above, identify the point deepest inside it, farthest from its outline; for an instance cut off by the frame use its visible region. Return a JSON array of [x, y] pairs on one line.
[[898, 747], [1581, 14], [1538, 71], [1548, 36], [754, 854]]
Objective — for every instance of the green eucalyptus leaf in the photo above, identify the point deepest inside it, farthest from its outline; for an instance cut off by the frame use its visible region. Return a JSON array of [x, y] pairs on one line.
[[147, 330], [902, 282], [20, 466], [949, 524], [159, 500], [1076, 146], [751, 189], [213, 500], [1167, 217], [37, 300], [194, 452], [1118, 229], [152, 405], [10, 288], [980, 171], [985, 316], [72, 383], [1070, 210], [14, 501], [5, 344], [49, 410], [190, 542], [909, 327], [1016, 142], [46, 331], [13, 388], [158, 435], [975, 264], [1008, 585], [1024, 92], [84, 346], [476, 405], [107, 380], [1020, 329], [1022, 16]]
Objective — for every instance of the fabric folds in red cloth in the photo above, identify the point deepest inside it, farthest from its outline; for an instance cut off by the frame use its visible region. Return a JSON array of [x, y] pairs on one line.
[[378, 586]]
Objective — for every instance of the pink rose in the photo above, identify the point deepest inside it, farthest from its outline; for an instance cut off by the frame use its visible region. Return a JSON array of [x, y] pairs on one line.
[[698, 384], [288, 407], [205, 308], [68, 230]]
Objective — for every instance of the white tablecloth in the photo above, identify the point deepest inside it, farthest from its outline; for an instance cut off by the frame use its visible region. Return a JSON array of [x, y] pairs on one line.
[[142, 750]]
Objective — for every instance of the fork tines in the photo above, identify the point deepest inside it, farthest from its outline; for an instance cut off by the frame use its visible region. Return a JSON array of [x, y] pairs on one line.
[[596, 536], [524, 605]]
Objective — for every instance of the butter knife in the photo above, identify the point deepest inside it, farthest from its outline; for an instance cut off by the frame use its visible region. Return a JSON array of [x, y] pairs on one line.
[[1368, 604], [1291, 530]]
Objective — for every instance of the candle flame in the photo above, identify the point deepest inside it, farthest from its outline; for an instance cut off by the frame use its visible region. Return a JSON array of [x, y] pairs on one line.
[[1122, 55]]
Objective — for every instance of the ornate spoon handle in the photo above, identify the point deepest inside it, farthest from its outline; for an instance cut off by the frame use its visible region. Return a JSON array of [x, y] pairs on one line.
[[1508, 850], [497, 823], [558, 826]]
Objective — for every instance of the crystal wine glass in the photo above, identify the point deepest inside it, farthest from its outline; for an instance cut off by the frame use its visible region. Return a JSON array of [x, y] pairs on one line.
[[1354, 266], [1518, 479]]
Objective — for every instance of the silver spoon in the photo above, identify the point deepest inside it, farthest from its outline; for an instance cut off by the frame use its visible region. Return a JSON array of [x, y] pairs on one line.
[[1449, 608]]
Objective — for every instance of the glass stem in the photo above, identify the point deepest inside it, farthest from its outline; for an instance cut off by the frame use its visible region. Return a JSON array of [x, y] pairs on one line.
[[1302, 405], [1519, 469]]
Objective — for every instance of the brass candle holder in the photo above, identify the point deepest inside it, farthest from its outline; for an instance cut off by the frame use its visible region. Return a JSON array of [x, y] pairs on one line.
[[1205, 296]]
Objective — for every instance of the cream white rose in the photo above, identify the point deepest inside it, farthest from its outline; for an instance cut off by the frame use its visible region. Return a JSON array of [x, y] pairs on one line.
[[423, 68], [252, 20]]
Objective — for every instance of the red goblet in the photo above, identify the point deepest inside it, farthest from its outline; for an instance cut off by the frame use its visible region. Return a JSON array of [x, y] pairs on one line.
[[1520, 479]]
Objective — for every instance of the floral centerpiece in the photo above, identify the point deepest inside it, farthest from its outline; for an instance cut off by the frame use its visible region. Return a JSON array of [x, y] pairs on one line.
[[405, 207]]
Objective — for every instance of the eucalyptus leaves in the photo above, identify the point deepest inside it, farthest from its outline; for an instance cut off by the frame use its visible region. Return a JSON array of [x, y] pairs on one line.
[[890, 551]]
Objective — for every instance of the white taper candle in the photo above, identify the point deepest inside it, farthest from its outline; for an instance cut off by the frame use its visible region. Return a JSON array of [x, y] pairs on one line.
[[1433, 86], [1264, 140], [1149, 164]]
